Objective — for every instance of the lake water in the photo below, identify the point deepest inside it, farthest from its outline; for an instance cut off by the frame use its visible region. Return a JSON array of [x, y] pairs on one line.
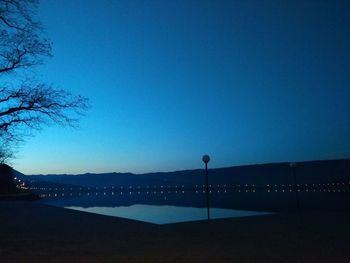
[[165, 214], [158, 207], [162, 206]]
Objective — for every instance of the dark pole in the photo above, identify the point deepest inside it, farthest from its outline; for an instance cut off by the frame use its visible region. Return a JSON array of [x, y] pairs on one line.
[[206, 160], [207, 189], [293, 166]]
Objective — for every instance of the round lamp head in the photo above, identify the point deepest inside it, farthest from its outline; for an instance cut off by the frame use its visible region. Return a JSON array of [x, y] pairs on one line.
[[206, 158]]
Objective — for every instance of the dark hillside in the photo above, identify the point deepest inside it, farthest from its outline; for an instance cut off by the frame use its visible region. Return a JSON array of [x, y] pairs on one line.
[[325, 171], [7, 186]]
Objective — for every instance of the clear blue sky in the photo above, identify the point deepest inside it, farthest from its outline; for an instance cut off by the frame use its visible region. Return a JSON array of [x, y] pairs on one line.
[[244, 81]]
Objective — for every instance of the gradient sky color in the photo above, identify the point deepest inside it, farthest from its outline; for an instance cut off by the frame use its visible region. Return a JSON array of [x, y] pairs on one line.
[[244, 81]]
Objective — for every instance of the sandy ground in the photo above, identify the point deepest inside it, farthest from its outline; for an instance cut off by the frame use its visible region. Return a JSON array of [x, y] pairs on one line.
[[31, 232]]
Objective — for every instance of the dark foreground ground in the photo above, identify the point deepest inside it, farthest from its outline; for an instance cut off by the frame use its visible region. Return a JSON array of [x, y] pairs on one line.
[[31, 232]]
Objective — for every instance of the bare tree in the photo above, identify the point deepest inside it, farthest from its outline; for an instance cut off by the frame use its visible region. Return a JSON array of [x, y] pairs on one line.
[[26, 103], [22, 43]]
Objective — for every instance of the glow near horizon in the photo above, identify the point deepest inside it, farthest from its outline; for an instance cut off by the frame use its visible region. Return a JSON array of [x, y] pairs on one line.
[[170, 81]]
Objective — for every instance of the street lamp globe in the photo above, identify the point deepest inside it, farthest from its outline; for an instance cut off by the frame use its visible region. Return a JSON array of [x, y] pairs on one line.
[[206, 158]]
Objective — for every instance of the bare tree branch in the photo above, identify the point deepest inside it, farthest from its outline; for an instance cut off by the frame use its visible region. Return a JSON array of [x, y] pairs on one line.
[[27, 104], [21, 40], [35, 104]]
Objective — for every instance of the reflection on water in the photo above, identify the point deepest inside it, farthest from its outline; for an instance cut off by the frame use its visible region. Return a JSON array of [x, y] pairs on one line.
[[165, 214]]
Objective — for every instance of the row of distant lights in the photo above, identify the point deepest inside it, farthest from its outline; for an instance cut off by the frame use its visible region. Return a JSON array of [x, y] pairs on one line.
[[196, 186], [183, 192]]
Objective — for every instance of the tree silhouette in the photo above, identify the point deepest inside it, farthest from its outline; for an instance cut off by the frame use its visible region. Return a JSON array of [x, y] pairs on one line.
[[26, 103]]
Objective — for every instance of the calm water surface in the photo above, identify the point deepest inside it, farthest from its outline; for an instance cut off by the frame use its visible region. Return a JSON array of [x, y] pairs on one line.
[[162, 206], [154, 207]]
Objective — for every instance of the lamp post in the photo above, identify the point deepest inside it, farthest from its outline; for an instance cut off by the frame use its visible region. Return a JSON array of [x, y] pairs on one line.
[[206, 160], [293, 165]]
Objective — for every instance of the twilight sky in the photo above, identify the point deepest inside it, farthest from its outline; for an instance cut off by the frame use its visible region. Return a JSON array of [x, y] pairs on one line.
[[244, 81]]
